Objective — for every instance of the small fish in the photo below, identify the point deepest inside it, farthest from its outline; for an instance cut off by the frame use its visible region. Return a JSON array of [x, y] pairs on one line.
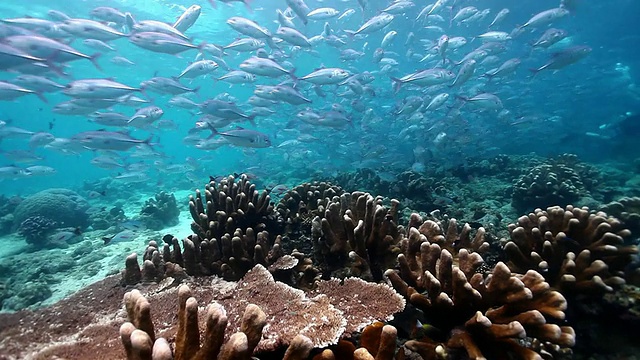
[[40, 170], [245, 138], [188, 18], [300, 8], [545, 17], [198, 68], [323, 13], [98, 89], [90, 29], [125, 235], [133, 225]]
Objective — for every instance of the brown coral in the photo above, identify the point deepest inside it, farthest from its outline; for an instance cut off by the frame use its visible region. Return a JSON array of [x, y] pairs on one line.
[[356, 236], [229, 205], [481, 314], [574, 249]]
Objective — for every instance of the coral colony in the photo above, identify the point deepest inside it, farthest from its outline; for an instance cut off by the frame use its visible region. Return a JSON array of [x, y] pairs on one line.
[[327, 274]]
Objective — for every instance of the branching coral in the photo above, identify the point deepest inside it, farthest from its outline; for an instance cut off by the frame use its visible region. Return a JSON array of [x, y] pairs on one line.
[[230, 257], [482, 315], [140, 343], [575, 250], [229, 205], [304, 202], [627, 210], [356, 236]]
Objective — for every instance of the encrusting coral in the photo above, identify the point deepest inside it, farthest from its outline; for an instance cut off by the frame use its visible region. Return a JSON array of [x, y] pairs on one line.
[[482, 315], [575, 250]]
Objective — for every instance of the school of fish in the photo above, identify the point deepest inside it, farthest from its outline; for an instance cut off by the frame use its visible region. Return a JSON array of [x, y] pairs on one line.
[[315, 87]]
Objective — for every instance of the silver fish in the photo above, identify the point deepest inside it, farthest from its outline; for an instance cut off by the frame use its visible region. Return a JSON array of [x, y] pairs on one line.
[[188, 18], [161, 42], [89, 29], [198, 68], [245, 138], [98, 89]]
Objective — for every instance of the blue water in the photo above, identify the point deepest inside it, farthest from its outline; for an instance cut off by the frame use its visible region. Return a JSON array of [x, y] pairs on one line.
[[570, 102]]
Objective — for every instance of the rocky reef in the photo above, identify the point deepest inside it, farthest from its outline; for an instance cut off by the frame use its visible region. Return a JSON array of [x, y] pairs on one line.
[[160, 212]]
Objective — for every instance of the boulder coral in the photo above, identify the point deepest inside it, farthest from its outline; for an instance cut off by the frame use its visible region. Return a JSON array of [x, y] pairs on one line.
[[65, 207]]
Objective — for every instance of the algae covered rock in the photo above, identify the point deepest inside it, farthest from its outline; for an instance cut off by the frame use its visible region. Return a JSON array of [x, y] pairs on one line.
[[65, 207], [160, 212]]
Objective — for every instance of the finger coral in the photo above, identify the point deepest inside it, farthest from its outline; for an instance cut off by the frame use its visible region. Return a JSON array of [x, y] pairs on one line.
[[481, 314], [574, 249], [229, 205], [356, 236]]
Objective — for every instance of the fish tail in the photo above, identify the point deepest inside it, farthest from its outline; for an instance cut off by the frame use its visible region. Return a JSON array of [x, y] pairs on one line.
[[397, 84], [534, 72], [350, 33], [247, 4], [94, 60], [251, 119], [41, 97], [293, 77]]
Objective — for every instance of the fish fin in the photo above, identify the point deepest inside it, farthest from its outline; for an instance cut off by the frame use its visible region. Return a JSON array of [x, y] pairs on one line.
[[93, 58], [41, 97], [247, 4]]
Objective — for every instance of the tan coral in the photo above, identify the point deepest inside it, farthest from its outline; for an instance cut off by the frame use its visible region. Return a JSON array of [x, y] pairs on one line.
[[139, 344], [482, 315], [356, 236], [574, 249]]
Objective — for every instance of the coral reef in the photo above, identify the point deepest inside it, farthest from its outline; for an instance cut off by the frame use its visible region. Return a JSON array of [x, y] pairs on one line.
[[7, 207], [300, 205], [627, 209], [231, 258], [36, 229], [477, 315], [285, 313], [65, 207], [574, 249], [545, 185], [102, 220], [356, 236], [160, 212]]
